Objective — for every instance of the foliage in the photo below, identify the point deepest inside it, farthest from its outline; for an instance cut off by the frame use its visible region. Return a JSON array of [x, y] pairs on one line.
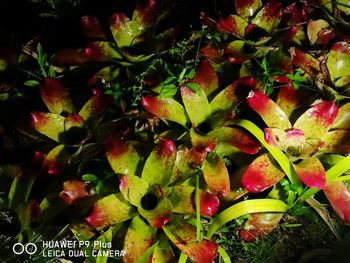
[[174, 129]]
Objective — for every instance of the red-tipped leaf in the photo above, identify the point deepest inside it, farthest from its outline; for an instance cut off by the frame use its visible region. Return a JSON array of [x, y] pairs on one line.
[[216, 176], [269, 16], [261, 174], [122, 156], [91, 27], [247, 8], [270, 112], [311, 172], [109, 210], [55, 96], [166, 108], [48, 124], [139, 237], [159, 164], [183, 235], [317, 120], [338, 195], [206, 77]]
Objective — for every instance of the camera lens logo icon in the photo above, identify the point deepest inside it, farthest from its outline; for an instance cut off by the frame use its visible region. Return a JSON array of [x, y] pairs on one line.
[[29, 248]]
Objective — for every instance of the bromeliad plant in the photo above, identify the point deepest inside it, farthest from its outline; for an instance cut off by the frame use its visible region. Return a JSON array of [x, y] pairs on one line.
[[313, 134], [64, 125], [207, 124], [153, 200]]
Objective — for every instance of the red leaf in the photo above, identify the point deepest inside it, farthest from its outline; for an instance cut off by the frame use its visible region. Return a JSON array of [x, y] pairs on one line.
[[339, 197], [55, 96], [311, 172], [209, 203], [91, 27], [261, 174], [206, 77], [270, 112]]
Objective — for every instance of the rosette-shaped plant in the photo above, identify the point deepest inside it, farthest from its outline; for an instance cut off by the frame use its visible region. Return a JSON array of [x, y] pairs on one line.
[[330, 72], [319, 131], [155, 201], [252, 21], [63, 124], [299, 142], [128, 42], [206, 114]]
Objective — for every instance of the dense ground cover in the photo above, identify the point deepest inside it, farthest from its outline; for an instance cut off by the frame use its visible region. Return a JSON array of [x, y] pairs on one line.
[[165, 131]]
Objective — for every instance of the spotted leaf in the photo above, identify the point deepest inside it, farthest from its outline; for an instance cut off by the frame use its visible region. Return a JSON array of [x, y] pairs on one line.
[[317, 120], [138, 238], [269, 16], [248, 8], [122, 157], [216, 176], [159, 164], [261, 174], [73, 190], [311, 172], [109, 210], [183, 235], [166, 108], [269, 111]]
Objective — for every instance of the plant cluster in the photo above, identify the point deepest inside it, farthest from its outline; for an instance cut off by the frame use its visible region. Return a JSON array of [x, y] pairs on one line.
[[170, 129]]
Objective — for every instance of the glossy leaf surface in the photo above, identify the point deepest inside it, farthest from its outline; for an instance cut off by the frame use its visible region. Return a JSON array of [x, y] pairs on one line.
[[109, 210], [216, 176], [166, 108], [122, 156], [159, 165], [269, 111], [55, 96], [338, 195], [311, 172], [317, 120], [261, 174], [183, 235], [139, 237], [48, 124]]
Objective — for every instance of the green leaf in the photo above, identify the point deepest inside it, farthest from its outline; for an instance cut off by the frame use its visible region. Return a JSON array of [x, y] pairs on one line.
[[89, 178], [159, 165], [194, 100], [193, 86], [31, 83], [133, 189], [122, 157], [110, 210], [41, 59], [243, 208], [167, 91], [166, 108], [48, 124], [147, 253], [139, 237]]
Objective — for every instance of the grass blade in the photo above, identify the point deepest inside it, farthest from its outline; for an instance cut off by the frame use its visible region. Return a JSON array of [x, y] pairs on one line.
[[243, 208]]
